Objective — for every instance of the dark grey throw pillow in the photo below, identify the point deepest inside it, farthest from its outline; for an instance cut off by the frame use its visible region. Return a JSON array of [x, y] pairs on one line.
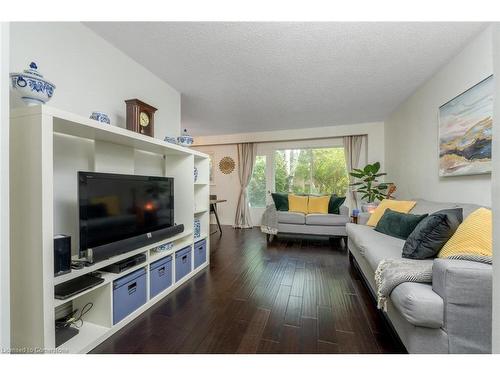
[[430, 235]]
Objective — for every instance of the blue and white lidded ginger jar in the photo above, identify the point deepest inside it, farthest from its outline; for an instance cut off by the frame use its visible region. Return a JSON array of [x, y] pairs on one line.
[[195, 173], [197, 228], [31, 87], [172, 140], [185, 139], [101, 117]]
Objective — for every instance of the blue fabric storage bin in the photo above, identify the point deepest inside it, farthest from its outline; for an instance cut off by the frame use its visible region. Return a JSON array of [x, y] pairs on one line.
[[182, 263], [160, 275], [129, 293], [200, 253]]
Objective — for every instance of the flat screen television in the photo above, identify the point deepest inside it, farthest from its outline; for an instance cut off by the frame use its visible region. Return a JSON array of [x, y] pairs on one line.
[[119, 213]]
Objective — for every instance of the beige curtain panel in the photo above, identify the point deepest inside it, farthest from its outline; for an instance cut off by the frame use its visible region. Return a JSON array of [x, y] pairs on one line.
[[352, 151], [246, 160]]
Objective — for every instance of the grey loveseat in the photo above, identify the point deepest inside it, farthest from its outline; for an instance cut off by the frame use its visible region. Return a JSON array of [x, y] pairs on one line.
[[332, 225], [451, 315]]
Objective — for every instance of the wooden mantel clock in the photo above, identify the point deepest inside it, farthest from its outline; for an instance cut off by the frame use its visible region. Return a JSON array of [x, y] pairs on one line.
[[140, 117]]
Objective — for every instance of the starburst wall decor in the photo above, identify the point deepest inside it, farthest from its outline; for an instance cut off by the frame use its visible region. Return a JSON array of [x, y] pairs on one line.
[[226, 165]]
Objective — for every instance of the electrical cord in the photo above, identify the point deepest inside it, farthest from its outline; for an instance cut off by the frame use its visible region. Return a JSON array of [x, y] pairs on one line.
[[85, 310], [73, 319]]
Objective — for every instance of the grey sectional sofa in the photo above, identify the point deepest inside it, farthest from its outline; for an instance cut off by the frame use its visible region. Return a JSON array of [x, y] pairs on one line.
[[314, 224], [451, 315]]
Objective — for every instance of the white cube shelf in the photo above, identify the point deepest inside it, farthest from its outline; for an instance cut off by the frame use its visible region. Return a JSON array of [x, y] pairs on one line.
[[48, 147]]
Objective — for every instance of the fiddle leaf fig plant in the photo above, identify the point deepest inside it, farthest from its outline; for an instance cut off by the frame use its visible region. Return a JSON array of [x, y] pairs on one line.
[[368, 183]]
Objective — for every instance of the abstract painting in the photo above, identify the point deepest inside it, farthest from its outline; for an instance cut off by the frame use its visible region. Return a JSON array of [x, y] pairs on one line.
[[465, 126]]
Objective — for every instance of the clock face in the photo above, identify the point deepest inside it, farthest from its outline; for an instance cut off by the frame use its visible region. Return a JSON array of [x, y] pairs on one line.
[[143, 119]]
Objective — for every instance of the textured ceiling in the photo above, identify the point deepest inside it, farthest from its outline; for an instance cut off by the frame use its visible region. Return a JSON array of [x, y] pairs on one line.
[[242, 77]]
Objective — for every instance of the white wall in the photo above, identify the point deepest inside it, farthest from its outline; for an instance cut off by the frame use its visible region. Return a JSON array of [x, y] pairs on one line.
[[91, 74], [227, 186], [411, 132], [496, 193], [4, 188]]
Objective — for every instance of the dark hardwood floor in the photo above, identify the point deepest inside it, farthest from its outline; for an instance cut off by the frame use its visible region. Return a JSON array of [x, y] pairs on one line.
[[293, 296]]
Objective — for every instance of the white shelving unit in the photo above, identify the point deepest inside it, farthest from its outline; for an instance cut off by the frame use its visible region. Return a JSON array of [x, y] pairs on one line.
[[201, 196], [48, 147]]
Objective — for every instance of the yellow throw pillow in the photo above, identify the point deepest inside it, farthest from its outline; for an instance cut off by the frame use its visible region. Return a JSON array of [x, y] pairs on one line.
[[399, 206], [297, 203], [473, 236], [318, 205]]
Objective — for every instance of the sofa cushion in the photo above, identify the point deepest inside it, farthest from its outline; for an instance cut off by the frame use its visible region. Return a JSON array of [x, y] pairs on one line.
[[398, 224], [297, 203], [280, 201], [419, 304], [432, 233], [399, 206], [428, 207], [326, 219], [374, 246], [287, 217], [334, 204], [472, 237], [318, 205]]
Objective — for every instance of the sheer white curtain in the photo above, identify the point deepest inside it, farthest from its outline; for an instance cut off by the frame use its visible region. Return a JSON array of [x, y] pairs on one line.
[[352, 151], [246, 160]]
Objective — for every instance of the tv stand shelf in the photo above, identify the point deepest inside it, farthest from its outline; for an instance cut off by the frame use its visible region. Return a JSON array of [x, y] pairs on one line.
[[97, 266], [48, 147]]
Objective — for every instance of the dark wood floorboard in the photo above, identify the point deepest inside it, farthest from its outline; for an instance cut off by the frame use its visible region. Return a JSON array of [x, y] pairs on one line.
[[291, 296]]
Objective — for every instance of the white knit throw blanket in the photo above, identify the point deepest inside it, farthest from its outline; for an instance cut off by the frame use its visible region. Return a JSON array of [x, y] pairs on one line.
[[269, 222], [392, 272]]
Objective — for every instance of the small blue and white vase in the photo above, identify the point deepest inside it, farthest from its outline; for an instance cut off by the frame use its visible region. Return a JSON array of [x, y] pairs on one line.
[[165, 247], [197, 228], [185, 139], [31, 87], [195, 173], [170, 140], [101, 117]]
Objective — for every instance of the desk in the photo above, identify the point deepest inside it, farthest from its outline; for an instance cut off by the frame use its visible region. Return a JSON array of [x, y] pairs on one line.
[[213, 208]]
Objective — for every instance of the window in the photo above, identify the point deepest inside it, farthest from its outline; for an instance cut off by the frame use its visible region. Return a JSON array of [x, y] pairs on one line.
[[257, 186], [311, 171]]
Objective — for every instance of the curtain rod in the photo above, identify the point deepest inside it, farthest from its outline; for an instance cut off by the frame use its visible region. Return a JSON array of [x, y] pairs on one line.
[[287, 140]]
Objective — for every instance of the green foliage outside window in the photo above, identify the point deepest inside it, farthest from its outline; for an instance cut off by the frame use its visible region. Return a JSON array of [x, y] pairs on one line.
[[311, 171], [257, 186], [307, 171]]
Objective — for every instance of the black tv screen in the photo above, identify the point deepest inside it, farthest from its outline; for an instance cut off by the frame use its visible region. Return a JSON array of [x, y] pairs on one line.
[[115, 207]]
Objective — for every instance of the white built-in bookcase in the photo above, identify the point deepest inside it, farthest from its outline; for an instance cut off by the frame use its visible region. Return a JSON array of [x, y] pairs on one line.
[[48, 146]]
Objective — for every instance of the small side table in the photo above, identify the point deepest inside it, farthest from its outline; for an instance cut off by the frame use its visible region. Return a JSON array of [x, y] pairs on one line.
[[354, 219]]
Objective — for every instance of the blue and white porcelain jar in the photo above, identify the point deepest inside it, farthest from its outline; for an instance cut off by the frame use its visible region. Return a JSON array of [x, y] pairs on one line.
[[31, 87], [101, 117], [195, 174], [185, 139], [172, 140], [197, 228]]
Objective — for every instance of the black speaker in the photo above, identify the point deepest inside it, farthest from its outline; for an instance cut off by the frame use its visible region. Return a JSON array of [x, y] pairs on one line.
[[62, 254]]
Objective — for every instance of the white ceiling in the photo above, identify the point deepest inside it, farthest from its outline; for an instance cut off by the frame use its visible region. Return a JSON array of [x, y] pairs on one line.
[[242, 77]]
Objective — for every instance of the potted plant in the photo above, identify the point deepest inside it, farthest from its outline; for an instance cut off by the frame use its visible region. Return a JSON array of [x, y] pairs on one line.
[[368, 185]]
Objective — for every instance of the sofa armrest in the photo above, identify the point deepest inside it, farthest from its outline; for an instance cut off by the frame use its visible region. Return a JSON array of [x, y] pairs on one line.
[[465, 288], [363, 217], [344, 211]]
